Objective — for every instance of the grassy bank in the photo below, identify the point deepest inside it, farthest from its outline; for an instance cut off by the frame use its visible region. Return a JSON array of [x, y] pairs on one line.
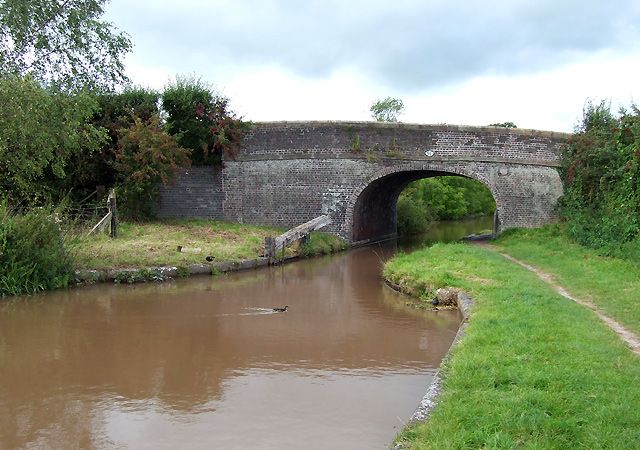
[[610, 283], [534, 370], [155, 244]]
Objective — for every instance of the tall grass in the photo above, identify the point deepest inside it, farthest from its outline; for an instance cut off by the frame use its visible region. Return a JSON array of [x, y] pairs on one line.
[[33, 255]]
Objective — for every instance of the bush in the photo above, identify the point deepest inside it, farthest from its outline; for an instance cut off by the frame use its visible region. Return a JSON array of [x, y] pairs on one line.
[[201, 121], [147, 157], [117, 111], [33, 255], [41, 128], [413, 216], [601, 174]]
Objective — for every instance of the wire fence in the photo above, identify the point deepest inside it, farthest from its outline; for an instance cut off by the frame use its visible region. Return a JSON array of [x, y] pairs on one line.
[[78, 217]]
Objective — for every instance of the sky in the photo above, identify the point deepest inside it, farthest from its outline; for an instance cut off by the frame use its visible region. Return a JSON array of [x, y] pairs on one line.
[[531, 62]]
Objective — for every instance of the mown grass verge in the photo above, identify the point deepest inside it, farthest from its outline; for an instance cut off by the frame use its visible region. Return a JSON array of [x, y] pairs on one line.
[[612, 284], [155, 244], [534, 370]]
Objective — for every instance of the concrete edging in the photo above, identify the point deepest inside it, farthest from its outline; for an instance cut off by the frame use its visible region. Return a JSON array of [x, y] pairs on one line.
[[92, 275]]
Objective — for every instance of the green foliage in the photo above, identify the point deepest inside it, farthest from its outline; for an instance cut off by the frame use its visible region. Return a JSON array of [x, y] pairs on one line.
[[61, 43], [503, 125], [413, 215], [441, 198], [90, 167], [320, 243], [33, 255], [201, 121], [601, 174], [183, 272], [387, 110], [40, 130], [147, 157]]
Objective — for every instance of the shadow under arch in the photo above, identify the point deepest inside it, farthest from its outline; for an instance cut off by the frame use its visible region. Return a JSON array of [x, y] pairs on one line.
[[371, 210]]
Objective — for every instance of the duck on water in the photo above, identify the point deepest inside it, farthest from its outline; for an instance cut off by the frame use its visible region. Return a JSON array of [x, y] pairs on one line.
[[281, 309]]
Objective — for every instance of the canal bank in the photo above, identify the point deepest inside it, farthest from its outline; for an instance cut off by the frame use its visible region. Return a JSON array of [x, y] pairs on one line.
[[107, 260], [533, 369]]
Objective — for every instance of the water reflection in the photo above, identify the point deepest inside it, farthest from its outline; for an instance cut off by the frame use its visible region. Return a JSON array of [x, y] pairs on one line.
[[204, 362], [448, 232]]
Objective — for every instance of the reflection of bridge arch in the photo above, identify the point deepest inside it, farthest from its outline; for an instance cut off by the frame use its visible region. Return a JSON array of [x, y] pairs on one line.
[[371, 210]]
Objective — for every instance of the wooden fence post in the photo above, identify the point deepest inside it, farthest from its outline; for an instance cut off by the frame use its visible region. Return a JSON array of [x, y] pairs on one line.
[[112, 208], [270, 247]]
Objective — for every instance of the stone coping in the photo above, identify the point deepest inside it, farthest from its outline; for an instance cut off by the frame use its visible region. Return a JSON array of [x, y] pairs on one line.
[[93, 275], [411, 126]]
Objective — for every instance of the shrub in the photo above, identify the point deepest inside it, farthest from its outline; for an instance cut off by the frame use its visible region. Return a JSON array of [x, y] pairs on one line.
[[601, 174], [33, 255], [96, 167], [146, 158], [201, 121], [41, 128], [413, 217]]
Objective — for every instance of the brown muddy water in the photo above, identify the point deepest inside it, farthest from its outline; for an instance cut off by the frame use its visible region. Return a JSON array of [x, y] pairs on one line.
[[205, 363]]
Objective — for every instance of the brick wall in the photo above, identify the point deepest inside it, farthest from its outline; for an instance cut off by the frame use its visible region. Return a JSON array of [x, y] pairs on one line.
[[197, 192], [288, 173]]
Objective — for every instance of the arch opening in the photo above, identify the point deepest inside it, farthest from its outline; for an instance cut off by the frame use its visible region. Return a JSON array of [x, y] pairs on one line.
[[375, 213]]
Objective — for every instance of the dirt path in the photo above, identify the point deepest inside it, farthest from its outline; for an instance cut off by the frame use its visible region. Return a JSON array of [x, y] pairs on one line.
[[627, 336]]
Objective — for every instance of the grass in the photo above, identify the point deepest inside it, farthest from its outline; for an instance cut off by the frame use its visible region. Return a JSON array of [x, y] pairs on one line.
[[155, 244], [321, 244], [534, 370], [610, 283]]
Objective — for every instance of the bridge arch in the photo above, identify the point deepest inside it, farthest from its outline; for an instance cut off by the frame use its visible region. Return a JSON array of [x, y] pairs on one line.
[[371, 209]]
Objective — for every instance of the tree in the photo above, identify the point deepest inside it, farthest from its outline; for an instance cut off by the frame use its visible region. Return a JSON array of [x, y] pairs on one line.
[[387, 110], [147, 157], [503, 125], [89, 168], [61, 42], [40, 129], [202, 121]]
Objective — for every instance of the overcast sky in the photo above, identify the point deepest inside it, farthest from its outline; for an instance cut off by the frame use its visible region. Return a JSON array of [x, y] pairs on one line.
[[532, 62]]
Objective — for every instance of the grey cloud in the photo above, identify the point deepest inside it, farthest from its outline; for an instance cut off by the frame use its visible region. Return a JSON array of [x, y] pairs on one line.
[[405, 44]]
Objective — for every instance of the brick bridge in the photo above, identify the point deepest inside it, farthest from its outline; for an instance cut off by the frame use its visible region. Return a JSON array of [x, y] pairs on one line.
[[290, 172]]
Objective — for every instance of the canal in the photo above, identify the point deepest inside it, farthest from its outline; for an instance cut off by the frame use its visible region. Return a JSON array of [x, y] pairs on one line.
[[206, 363]]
